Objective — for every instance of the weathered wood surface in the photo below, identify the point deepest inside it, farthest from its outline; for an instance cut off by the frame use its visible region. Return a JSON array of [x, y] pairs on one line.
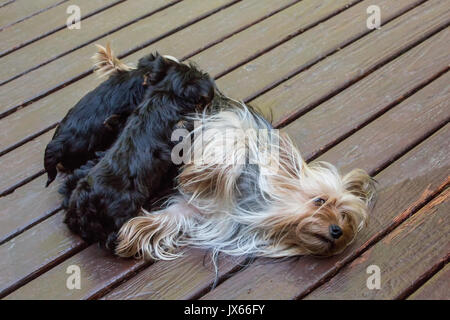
[[309, 61], [95, 277], [20, 10], [47, 22], [65, 40], [436, 288], [353, 62], [35, 250]]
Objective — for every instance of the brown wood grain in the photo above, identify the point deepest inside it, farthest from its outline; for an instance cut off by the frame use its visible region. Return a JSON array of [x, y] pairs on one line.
[[408, 180], [356, 105], [79, 61], [94, 276], [402, 256], [186, 278], [414, 118], [436, 288], [23, 162], [53, 19], [335, 73], [51, 109], [27, 205], [22, 9], [267, 34], [33, 251], [65, 40]]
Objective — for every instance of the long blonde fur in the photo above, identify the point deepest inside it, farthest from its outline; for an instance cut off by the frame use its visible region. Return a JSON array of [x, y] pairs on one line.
[[245, 201]]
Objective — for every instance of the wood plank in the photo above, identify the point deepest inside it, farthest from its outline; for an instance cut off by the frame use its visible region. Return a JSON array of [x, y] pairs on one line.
[[22, 124], [351, 63], [34, 251], [94, 277], [165, 280], [130, 37], [56, 105], [403, 256], [65, 40], [268, 34], [22, 9], [27, 206], [100, 270], [390, 134], [46, 23], [436, 288], [5, 2], [374, 94], [24, 162], [408, 180]]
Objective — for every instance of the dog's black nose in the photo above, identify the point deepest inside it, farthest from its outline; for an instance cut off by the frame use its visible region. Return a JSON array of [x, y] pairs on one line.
[[335, 231]]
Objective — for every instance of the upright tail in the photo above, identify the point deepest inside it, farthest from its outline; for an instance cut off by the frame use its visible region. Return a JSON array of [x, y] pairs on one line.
[[105, 62]]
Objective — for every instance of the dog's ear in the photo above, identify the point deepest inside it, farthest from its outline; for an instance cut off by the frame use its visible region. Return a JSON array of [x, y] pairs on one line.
[[155, 68], [198, 87], [360, 184]]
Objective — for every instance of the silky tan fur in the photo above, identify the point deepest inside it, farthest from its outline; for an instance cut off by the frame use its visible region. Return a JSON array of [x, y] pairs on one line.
[[248, 202]]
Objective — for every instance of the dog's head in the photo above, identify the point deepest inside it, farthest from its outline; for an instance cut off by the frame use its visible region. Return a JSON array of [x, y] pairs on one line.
[[336, 209], [316, 210], [185, 81]]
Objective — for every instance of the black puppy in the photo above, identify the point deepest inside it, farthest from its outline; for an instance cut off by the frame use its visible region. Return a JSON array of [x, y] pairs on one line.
[[113, 189], [94, 123]]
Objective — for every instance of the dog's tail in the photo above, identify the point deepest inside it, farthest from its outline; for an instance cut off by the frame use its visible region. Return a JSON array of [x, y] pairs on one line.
[[106, 63]]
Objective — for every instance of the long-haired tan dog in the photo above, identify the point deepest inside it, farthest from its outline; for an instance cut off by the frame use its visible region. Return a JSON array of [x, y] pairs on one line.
[[250, 192]]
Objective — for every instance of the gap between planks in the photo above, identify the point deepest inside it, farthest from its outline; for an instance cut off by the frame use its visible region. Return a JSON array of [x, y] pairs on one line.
[[56, 29]]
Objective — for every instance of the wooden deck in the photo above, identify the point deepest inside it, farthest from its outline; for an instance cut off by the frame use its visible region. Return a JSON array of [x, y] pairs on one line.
[[374, 99]]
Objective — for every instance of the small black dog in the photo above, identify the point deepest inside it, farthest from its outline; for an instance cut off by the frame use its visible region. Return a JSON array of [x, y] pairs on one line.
[[94, 123], [109, 190]]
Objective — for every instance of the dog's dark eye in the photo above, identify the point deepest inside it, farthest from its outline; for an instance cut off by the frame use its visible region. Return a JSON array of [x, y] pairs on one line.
[[318, 202]]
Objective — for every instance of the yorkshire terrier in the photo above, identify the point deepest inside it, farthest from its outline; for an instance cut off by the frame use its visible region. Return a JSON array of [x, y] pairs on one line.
[[109, 190], [251, 193], [94, 123]]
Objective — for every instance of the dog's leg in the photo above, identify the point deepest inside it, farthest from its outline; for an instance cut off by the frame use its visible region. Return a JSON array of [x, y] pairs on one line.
[[158, 234]]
